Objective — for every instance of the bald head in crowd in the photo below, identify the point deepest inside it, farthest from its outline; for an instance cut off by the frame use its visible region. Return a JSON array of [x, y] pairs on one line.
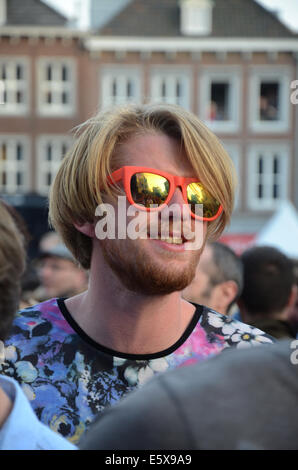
[[219, 279]]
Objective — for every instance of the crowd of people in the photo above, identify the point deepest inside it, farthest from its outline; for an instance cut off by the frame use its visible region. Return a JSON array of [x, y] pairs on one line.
[[142, 335]]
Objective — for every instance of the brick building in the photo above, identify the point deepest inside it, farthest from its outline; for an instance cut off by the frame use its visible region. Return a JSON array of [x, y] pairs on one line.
[[231, 62]]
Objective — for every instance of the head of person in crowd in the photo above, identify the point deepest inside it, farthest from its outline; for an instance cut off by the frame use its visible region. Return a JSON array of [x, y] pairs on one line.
[[269, 290], [19, 427], [12, 267], [58, 272], [116, 153], [219, 278], [293, 312]]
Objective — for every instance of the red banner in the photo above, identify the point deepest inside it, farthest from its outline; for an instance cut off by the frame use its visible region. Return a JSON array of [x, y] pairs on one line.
[[239, 242]]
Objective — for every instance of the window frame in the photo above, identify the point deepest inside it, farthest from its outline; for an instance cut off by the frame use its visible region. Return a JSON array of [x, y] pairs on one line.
[[233, 76], [109, 73], [16, 109], [44, 166], [170, 75], [56, 109], [267, 149], [281, 75], [12, 140]]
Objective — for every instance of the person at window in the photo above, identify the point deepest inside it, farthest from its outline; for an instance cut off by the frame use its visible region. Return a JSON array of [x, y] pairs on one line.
[[268, 112]]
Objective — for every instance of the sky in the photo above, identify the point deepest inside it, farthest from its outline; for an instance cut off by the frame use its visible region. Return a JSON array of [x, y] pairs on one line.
[[288, 9]]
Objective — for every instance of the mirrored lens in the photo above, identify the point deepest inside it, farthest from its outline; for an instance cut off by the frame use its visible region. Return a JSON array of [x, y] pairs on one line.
[[197, 194], [148, 189]]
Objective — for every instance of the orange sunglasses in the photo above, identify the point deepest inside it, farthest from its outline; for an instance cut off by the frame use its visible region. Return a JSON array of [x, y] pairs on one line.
[[145, 187]]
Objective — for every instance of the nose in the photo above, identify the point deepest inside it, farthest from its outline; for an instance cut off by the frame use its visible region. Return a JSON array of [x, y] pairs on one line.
[[177, 207], [177, 199], [45, 273]]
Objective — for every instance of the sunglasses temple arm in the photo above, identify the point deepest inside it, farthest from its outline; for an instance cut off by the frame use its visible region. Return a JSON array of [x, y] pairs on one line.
[[116, 176]]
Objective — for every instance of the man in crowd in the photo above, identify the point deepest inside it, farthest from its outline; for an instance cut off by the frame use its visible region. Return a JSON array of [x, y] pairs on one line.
[[81, 354], [59, 273], [19, 426], [269, 291], [218, 280], [293, 313]]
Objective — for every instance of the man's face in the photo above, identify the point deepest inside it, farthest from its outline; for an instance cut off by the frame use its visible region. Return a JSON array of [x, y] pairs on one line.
[[152, 266], [60, 277]]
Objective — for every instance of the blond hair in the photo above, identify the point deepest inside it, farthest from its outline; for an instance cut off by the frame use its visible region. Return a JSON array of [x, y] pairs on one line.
[[82, 177]]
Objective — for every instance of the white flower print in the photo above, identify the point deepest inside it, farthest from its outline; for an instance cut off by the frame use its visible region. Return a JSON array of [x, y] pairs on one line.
[[131, 375], [246, 339], [139, 375], [227, 325]]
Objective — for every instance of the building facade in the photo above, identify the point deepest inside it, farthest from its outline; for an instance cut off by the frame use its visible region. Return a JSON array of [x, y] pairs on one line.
[[231, 62]]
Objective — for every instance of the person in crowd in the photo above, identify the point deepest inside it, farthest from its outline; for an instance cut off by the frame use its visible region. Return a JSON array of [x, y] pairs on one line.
[[293, 312], [59, 273], [238, 400], [269, 291], [218, 280], [29, 281], [125, 203], [19, 426]]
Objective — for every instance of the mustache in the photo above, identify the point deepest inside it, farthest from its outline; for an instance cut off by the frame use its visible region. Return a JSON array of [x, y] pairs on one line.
[[176, 228]]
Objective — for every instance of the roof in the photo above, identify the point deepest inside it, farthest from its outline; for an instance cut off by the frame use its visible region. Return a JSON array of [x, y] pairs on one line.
[[161, 18], [33, 12]]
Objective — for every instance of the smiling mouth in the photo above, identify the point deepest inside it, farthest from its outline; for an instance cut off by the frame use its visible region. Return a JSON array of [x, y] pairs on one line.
[[172, 240]]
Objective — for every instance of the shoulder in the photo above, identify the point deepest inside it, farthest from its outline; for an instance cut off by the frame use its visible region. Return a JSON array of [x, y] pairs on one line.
[[234, 332], [37, 320]]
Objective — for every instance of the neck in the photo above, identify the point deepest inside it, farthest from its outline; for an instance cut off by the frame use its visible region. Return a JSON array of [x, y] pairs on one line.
[[5, 407], [127, 321]]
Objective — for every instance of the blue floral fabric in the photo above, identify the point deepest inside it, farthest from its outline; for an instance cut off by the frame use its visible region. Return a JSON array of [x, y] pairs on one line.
[[69, 378]]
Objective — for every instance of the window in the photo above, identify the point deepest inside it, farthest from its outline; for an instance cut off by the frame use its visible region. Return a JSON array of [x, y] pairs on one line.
[[120, 85], [269, 97], [219, 106], [269, 100], [56, 87], [196, 17], [170, 86], [14, 164], [14, 86], [268, 176], [219, 99], [50, 150]]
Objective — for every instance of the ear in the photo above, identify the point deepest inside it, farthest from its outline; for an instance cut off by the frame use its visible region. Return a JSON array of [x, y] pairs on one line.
[[87, 228], [225, 293]]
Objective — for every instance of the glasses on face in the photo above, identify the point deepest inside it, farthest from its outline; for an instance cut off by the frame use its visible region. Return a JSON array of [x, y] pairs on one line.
[[145, 187]]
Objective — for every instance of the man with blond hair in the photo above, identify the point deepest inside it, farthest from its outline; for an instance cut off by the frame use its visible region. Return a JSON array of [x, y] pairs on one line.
[[135, 200]]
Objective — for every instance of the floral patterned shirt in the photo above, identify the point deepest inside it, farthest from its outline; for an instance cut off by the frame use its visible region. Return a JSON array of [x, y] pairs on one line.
[[69, 378]]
